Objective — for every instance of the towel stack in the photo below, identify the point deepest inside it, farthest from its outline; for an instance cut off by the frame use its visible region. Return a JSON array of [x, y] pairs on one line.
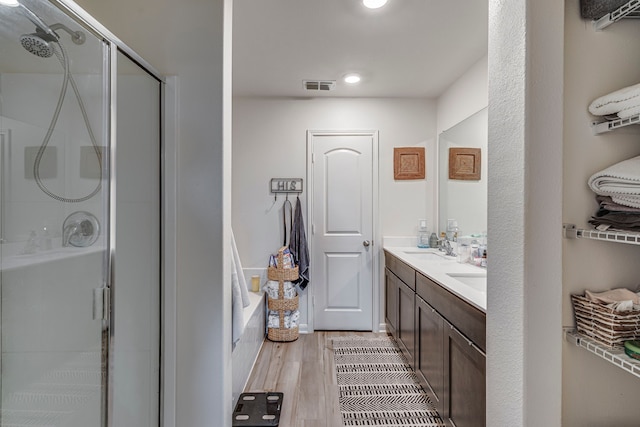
[[622, 103], [291, 317], [617, 191]]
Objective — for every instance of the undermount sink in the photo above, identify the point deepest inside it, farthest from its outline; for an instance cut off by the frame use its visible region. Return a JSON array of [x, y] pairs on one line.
[[477, 281], [425, 256]]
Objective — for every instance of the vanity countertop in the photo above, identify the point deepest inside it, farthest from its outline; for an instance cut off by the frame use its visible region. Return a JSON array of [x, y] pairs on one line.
[[464, 280]]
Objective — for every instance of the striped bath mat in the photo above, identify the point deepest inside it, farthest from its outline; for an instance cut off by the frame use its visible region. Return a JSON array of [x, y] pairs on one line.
[[377, 387]]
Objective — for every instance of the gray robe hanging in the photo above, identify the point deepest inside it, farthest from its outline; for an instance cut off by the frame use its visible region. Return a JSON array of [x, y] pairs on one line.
[[298, 246]]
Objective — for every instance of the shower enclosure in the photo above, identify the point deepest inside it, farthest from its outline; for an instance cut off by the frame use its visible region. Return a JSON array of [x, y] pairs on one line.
[[80, 242]]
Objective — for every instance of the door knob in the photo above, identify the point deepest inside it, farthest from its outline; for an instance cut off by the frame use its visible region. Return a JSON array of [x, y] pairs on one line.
[[366, 243]]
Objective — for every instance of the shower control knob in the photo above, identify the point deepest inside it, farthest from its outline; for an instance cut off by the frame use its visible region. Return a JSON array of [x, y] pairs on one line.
[[366, 243]]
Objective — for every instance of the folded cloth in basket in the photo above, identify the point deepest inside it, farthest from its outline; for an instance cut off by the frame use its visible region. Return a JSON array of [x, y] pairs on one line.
[[291, 319], [621, 181], [620, 102], [272, 287], [620, 299]]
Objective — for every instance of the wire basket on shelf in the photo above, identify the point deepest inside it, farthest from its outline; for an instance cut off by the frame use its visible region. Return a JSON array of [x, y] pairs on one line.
[[603, 324], [281, 304]]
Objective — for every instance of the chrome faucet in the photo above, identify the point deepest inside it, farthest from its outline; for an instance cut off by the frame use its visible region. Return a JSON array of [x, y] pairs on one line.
[[80, 229], [70, 231], [445, 246]]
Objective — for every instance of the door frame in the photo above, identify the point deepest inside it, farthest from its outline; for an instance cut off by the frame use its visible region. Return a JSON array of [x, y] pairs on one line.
[[376, 243]]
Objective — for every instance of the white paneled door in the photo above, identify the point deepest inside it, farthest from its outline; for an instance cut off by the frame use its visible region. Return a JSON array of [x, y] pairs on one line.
[[342, 227]]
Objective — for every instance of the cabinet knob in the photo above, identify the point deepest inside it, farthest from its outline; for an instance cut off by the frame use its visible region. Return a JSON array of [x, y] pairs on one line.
[[366, 243]]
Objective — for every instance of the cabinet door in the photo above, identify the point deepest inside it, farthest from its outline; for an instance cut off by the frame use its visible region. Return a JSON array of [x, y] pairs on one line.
[[465, 379], [391, 301], [429, 353], [406, 321]]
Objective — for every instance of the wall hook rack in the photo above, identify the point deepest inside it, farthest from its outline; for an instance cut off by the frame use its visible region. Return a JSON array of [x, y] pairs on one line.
[[286, 185]]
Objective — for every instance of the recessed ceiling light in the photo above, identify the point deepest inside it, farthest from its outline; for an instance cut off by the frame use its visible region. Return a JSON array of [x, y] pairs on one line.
[[352, 78], [374, 4], [11, 3]]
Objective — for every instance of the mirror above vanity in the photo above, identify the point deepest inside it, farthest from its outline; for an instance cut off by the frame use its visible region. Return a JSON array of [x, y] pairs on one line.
[[462, 191]]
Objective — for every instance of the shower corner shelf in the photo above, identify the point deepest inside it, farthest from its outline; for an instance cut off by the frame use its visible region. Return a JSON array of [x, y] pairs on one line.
[[571, 232], [627, 10], [609, 125], [615, 356]]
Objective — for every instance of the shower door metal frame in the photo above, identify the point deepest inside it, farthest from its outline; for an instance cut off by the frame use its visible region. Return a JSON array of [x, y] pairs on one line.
[[114, 46]]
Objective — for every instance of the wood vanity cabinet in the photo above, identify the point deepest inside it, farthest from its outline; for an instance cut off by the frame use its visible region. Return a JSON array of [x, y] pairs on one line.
[[444, 338], [400, 288], [462, 396], [430, 351], [465, 380], [391, 301]]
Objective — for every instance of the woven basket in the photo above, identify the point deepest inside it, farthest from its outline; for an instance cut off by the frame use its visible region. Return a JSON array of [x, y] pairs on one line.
[[605, 325], [284, 274], [281, 304]]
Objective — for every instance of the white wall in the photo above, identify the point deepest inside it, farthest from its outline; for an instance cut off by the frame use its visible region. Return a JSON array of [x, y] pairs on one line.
[[270, 142], [594, 391], [524, 337]]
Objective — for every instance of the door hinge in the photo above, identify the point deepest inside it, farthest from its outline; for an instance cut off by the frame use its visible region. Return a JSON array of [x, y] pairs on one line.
[[101, 303], [313, 301], [313, 157]]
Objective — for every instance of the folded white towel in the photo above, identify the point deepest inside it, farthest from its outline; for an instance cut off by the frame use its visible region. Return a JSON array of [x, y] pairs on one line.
[[620, 181], [239, 293], [617, 101]]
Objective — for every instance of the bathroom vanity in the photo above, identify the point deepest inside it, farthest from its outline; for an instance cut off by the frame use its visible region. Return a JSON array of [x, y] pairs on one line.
[[436, 310]]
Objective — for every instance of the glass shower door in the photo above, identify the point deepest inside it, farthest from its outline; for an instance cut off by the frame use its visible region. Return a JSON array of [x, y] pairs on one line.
[[54, 220]]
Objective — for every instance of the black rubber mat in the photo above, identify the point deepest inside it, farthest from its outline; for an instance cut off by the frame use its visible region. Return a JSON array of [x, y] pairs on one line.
[[258, 410]]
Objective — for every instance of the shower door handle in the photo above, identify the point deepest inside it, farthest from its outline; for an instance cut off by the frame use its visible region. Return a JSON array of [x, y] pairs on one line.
[[101, 303]]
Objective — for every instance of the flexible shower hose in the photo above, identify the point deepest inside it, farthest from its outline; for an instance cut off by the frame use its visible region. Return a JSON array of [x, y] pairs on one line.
[[68, 78]]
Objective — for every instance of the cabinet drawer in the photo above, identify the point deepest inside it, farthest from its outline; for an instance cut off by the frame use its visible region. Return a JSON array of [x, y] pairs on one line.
[[405, 272], [465, 381], [467, 319]]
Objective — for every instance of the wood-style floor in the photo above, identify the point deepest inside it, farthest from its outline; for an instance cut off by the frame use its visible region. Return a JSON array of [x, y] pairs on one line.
[[304, 370]]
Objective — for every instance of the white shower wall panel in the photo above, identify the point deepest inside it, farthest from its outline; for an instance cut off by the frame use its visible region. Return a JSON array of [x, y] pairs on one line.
[[28, 104]]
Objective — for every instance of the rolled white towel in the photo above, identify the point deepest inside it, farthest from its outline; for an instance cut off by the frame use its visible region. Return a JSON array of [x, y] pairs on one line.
[[272, 288], [291, 319], [615, 102]]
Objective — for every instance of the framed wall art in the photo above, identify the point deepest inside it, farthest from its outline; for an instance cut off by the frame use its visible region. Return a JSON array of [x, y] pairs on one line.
[[408, 163], [464, 163]]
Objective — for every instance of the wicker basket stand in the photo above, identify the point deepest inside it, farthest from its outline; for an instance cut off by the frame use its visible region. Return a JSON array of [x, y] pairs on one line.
[[281, 304], [603, 324]]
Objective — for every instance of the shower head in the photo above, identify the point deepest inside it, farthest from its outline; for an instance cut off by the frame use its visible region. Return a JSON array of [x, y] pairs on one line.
[[38, 43]]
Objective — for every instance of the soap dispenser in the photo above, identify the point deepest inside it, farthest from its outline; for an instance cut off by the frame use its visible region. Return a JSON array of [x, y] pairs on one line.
[[423, 234]]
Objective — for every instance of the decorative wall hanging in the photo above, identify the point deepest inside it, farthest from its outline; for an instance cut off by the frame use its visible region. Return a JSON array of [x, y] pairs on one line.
[[408, 163], [464, 164]]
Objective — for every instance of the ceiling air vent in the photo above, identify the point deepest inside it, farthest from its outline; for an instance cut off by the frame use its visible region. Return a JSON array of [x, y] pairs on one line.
[[321, 85]]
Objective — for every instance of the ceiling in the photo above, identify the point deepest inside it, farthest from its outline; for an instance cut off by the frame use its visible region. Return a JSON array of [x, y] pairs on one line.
[[408, 48]]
